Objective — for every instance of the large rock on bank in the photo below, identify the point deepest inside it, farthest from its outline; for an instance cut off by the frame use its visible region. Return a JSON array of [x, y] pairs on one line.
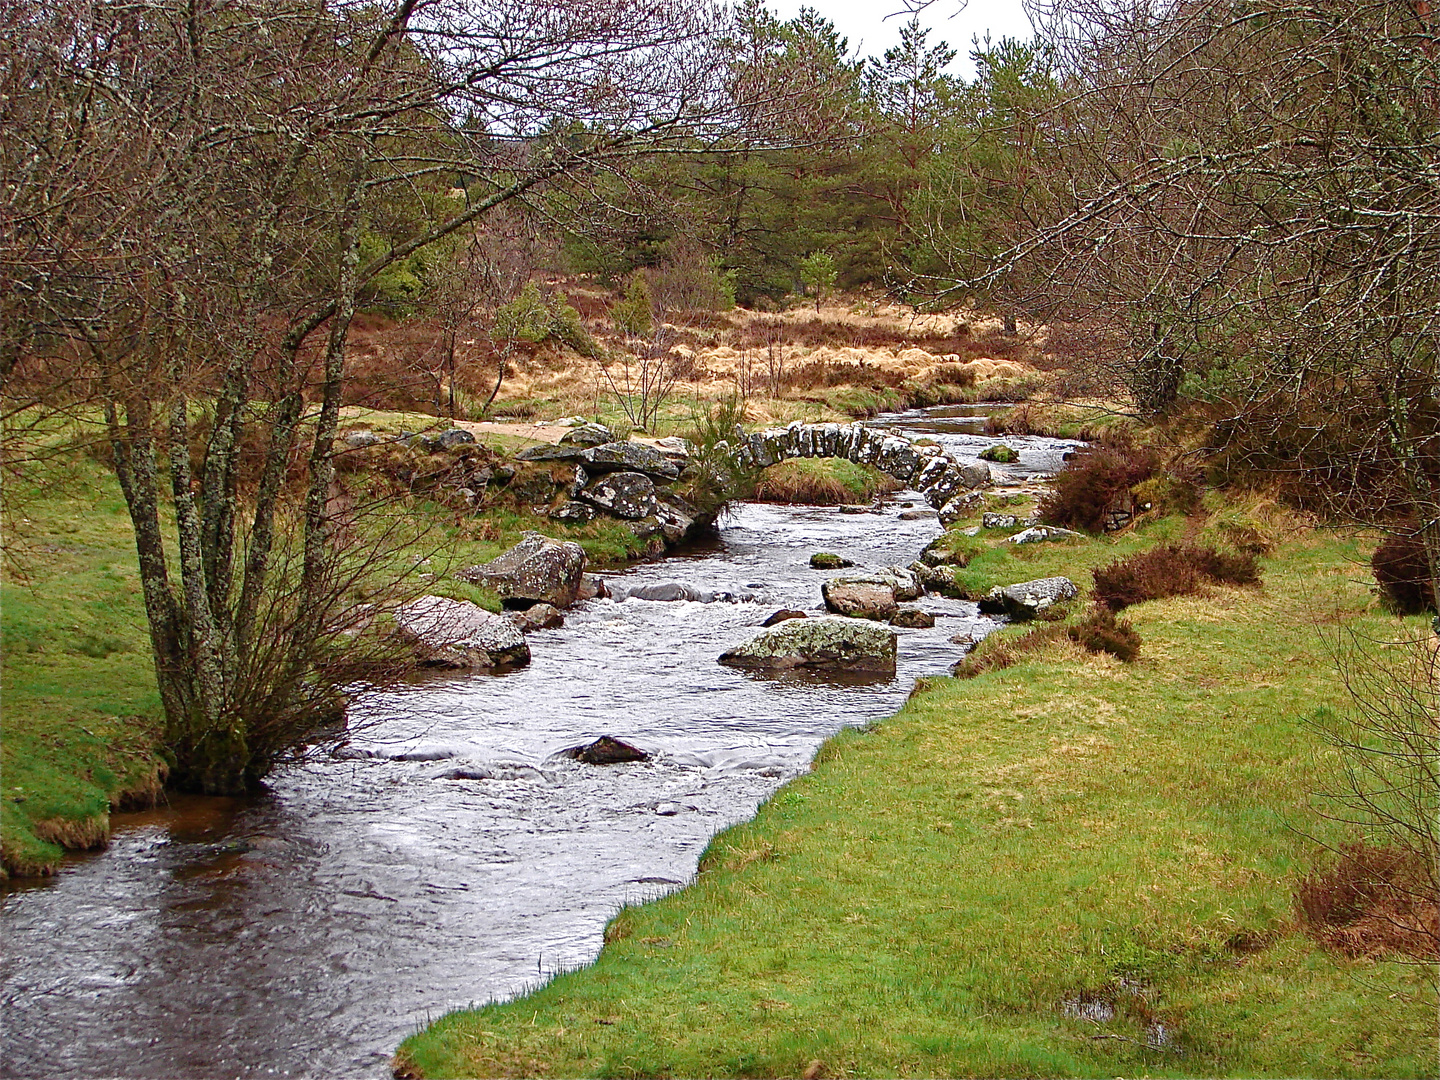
[[824, 644], [538, 570], [459, 634], [1027, 598], [628, 495], [628, 457]]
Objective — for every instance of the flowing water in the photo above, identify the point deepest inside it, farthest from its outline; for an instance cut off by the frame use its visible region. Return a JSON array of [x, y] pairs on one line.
[[306, 931]]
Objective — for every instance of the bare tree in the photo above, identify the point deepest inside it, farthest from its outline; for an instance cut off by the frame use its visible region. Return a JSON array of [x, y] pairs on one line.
[[195, 197], [1247, 197]]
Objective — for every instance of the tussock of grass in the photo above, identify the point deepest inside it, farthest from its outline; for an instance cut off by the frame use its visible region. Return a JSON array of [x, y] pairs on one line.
[[822, 482], [942, 887]]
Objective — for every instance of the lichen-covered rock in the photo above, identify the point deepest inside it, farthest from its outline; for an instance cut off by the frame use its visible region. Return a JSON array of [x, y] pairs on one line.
[[628, 495], [861, 596], [1026, 598], [824, 644], [587, 435], [992, 520], [551, 453], [904, 581], [1039, 534], [674, 515], [913, 618], [573, 512], [676, 449], [451, 438], [538, 570], [628, 457], [459, 634], [828, 560], [538, 617], [960, 506]]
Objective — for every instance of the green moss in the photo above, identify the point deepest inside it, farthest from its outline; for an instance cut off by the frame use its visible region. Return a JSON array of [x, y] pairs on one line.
[[999, 453]]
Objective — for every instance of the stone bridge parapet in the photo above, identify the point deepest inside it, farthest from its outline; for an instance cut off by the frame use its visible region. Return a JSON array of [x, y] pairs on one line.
[[937, 475]]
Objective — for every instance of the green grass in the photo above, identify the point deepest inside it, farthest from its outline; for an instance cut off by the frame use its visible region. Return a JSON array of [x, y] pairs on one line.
[[822, 482], [79, 696], [927, 898]]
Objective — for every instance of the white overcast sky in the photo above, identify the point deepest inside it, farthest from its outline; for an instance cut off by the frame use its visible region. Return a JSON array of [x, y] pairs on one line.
[[864, 22]]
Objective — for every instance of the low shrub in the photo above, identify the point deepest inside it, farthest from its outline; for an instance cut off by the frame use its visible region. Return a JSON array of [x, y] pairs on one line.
[[1098, 632], [1170, 570], [1102, 632], [1098, 474], [1402, 571], [1372, 900]]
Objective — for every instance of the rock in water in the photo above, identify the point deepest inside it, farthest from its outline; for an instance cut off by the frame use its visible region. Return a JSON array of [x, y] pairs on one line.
[[537, 617], [628, 495], [824, 644], [592, 587], [606, 750], [913, 618], [459, 634], [783, 615], [1000, 454], [669, 591], [628, 457], [907, 584], [860, 596], [1023, 600], [538, 570], [828, 560]]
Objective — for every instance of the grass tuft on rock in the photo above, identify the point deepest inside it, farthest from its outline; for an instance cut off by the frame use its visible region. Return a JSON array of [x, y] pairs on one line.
[[822, 482]]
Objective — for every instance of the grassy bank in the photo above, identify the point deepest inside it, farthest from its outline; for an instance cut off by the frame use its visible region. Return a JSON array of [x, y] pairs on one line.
[[78, 690], [1069, 867]]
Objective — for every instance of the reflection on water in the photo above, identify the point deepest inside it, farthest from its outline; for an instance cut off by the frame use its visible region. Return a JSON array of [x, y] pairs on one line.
[[306, 931]]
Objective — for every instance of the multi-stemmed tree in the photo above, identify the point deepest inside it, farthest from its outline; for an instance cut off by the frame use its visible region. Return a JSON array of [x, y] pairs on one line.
[[196, 195]]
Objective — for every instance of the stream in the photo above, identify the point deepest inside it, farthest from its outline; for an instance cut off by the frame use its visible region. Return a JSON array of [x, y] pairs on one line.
[[307, 930]]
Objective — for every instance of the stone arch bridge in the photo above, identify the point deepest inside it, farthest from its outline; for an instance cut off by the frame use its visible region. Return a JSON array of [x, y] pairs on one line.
[[937, 475]]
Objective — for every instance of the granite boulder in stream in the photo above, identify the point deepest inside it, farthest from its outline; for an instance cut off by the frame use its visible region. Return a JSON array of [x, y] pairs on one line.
[[860, 596], [458, 634], [829, 643], [538, 570]]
